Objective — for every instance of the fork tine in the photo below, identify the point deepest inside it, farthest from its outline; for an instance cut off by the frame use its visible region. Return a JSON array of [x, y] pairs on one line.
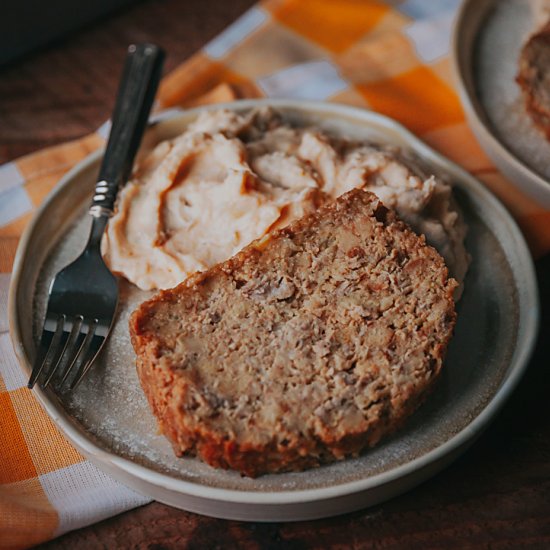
[[67, 345], [95, 347], [48, 345], [93, 350], [77, 346], [81, 356]]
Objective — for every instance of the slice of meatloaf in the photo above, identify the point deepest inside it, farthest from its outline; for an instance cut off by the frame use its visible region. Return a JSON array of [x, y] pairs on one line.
[[306, 347], [534, 77]]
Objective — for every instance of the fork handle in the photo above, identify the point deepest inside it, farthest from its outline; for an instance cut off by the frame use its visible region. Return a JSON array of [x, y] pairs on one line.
[[138, 85]]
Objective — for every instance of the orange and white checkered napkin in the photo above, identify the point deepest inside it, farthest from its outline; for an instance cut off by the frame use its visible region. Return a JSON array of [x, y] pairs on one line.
[[391, 56]]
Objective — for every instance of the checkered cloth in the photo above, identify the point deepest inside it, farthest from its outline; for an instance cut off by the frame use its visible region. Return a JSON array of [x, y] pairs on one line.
[[392, 57]]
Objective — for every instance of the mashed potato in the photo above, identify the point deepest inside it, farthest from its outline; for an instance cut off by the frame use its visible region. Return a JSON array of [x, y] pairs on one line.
[[230, 178]]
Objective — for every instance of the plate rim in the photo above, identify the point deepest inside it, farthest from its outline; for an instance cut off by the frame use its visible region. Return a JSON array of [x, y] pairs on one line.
[[517, 365], [500, 154]]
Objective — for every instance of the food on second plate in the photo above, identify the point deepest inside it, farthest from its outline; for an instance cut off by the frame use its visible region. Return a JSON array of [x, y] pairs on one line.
[[306, 347], [534, 72], [231, 178]]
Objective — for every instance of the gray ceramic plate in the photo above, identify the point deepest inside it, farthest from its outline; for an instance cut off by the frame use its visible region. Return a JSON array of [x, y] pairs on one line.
[[488, 37], [109, 421]]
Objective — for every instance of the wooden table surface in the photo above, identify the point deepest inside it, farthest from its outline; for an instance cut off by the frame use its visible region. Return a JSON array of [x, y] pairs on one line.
[[496, 496]]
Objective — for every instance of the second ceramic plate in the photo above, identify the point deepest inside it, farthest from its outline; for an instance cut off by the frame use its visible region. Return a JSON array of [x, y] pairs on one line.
[[488, 38]]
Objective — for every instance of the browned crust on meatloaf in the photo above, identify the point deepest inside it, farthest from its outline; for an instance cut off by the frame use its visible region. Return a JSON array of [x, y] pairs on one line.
[[534, 77], [306, 347]]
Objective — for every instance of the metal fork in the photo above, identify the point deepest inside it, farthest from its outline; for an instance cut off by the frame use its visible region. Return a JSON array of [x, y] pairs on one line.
[[83, 296]]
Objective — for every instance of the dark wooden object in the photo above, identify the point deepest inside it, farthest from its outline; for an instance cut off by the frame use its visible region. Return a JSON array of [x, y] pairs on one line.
[[496, 496]]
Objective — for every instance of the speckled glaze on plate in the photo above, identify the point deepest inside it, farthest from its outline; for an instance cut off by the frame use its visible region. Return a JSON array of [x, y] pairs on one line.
[[108, 418], [487, 40]]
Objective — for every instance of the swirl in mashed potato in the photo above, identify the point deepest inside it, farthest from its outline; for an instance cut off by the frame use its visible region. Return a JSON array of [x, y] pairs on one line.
[[230, 178]]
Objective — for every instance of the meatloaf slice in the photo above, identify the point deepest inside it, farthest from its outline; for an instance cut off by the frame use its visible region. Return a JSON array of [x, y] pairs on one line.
[[534, 77], [306, 347]]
